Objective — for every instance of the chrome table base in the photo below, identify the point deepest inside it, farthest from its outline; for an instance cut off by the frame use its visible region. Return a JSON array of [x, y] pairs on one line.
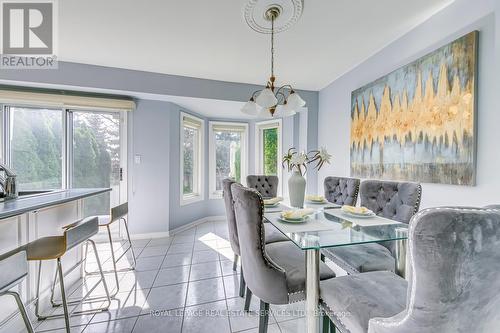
[[312, 290]]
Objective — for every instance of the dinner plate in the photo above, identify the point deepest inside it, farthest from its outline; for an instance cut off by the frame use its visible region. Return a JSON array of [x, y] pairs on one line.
[[301, 220], [317, 202], [272, 205], [361, 216]]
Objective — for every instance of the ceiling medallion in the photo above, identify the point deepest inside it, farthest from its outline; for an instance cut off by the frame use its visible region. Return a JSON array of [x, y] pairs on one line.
[[274, 101], [290, 13]]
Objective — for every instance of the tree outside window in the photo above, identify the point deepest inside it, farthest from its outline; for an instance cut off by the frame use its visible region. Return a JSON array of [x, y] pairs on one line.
[[227, 156], [190, 137], [270, 151], [36, 148]]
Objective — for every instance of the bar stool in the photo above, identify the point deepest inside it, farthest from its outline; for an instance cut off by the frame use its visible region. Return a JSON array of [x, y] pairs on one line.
[[118, 213], [53, 248], [14, 268]]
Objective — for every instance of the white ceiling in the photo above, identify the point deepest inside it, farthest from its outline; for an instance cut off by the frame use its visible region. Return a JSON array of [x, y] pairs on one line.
[[211, 108], [210, 39]]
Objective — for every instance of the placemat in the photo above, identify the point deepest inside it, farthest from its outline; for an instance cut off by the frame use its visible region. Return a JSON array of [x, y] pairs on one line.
[[313, 224], [276, 209], [363, 222]]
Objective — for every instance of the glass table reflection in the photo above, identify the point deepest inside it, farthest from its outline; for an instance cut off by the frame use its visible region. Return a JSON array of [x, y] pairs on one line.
[[330, 227]]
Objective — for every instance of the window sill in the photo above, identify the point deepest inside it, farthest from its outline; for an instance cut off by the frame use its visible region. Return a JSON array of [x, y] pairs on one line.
[[189, 199]]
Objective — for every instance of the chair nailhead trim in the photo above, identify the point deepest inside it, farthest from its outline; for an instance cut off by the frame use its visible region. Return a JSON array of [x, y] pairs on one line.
[[268, 260], [337, 321]]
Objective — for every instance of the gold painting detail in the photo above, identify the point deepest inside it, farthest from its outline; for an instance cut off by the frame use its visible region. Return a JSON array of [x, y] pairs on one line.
[[417, 123], [448, 113]]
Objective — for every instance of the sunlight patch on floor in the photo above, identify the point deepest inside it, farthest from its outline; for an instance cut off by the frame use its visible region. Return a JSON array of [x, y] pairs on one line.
[[221, 245]]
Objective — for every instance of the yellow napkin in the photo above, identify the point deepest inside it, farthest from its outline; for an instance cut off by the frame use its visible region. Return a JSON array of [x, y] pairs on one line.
[[355, 210], [315, 198], [272, 201], [297, 214]]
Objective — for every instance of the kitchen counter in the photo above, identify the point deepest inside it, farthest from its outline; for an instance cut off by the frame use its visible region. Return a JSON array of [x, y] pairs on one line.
[[34, 216], [30, 203]]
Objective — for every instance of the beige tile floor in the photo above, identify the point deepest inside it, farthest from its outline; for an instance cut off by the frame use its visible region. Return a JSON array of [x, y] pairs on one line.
[[183, 283]]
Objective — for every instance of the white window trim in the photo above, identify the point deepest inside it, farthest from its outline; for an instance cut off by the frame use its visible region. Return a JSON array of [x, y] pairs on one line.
[[213, 194], [67, 142], [186, 199], [259, 128]]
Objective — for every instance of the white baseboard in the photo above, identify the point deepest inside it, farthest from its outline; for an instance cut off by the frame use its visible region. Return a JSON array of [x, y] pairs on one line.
[[160, 234], [197, 222], [180, 229]]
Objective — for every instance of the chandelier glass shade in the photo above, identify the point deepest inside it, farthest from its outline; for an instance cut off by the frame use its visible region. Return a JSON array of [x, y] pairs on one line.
[[273, 101]]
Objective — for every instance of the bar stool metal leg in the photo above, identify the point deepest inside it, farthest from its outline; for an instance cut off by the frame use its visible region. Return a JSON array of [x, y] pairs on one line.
[[39, 277], [129, 242], [103, 278], [85, 298], [114, 261], [85, 272], [63, 295], [22, 309], [53, 288]]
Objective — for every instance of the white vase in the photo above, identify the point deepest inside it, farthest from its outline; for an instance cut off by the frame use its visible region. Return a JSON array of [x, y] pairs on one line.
[[297, 189]]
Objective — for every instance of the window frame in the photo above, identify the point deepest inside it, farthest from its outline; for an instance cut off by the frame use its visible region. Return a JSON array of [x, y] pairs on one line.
[[186, 199], [213, 193], [6, 145], [67, 141], [260, 126]]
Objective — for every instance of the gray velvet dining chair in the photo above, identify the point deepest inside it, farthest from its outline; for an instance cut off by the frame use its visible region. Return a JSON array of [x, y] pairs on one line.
[[278, 274], [272, 234], [397, 201], [266, 185], [341, 190], [453, 286]]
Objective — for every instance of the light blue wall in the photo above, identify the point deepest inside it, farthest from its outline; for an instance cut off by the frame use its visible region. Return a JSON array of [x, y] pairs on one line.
[[154, 184], [181, 215], [154, 134], [459, 18]]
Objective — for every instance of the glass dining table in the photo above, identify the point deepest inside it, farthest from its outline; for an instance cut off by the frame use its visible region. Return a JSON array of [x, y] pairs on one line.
[[330, 227]]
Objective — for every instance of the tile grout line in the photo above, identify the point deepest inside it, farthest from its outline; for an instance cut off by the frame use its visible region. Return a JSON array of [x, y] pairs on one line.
[[225, 300], [189, 278], [90, 321], [76, 286], [220, 259], [149, 292]]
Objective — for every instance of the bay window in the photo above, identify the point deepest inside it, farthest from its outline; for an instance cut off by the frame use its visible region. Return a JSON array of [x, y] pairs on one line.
[[228, 154], [191, 159]]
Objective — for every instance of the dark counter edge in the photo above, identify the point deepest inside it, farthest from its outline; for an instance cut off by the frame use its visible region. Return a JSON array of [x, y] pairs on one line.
[[24, 205]]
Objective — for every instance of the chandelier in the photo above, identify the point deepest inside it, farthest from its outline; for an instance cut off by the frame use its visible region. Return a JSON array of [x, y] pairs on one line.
[[277, 101]]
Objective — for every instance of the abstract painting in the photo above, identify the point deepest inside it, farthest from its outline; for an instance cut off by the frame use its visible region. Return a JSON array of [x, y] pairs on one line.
[[418, 122]]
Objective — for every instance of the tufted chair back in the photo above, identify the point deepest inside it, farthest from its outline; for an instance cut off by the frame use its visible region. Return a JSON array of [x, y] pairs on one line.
[[267, 280], [397, 201], [267, 186], [454, 285], [231, 220], [341, 191]]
